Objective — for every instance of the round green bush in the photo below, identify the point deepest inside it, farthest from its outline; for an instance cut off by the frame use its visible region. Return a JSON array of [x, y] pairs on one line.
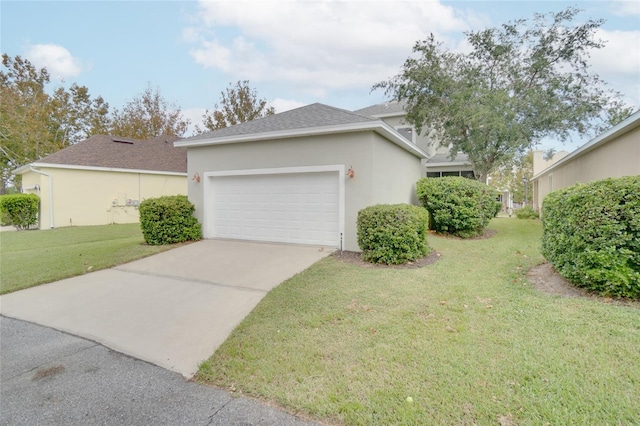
[[457, 205], [526, 212], [168, 220], [591, 235], [19, 210], [393, 234]]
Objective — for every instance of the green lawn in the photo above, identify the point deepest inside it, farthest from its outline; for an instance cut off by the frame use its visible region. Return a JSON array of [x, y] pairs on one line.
[[30, 258], [467, 338]]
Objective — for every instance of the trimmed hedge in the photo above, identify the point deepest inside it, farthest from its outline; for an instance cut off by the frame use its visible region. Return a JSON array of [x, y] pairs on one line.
[[393, 234], [168, 220], [527, 212], [591, 235], [20, 210], [457, 205]]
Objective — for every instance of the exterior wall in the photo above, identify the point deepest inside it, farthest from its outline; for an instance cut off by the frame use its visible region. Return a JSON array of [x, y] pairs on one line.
[[365, 152], [90, 197], [539, 163], [616, 158], [421, 141]]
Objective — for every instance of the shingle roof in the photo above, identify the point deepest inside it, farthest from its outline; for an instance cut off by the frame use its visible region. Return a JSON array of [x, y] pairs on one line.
[[385, 108], [310, 116], [442, 159], [157, 154]]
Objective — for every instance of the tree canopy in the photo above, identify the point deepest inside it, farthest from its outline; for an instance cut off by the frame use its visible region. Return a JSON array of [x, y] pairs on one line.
[[33, 123], [238, 103], [148, 115], [518, 83]]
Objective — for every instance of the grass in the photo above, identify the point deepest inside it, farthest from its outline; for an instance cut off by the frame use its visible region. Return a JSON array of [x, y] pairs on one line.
[[30, 258], [466, 338]]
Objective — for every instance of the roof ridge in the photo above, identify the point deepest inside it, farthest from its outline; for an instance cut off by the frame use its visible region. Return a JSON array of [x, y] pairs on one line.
[[368, 117]]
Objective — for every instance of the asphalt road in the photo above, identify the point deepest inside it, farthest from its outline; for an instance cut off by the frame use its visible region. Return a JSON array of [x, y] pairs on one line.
[[52, 378]]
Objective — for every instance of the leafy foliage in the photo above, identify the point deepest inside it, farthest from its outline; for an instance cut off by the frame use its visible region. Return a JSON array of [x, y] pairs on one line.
[[168, 220], [19, 210], [518, 83], [511, 178], [527, 212], [392, 234], [147, 116], [238, 104], [457, 205], [33, 123], [592, 235]]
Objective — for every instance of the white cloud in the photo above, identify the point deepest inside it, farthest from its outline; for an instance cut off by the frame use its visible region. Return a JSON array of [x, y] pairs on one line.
[[56, 59], [282, 105], [619, 63], [195, 116], [625, 7], [316, 46]]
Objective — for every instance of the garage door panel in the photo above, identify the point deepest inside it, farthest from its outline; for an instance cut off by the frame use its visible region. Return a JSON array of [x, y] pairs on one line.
[[296, 208]]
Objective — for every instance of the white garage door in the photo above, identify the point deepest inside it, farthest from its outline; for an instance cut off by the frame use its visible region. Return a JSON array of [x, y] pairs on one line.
[[300, 208]]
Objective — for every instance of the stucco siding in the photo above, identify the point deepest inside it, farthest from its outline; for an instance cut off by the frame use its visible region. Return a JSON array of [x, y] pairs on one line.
[[617, 158], [356, 150], [397, 172], [90, 197]]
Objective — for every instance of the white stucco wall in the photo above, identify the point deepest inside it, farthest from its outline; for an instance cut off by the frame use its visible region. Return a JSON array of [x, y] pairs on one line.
[[92, 197], [384, 172]]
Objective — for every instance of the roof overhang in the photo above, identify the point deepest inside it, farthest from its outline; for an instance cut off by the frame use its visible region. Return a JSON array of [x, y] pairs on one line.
[[379, 127], [28, 167], [616, 131]]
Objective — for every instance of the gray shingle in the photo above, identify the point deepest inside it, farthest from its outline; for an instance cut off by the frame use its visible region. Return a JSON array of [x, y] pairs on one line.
[[389, 107], [314, 115]]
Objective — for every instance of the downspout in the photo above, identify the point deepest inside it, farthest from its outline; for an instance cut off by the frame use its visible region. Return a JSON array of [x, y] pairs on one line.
[[50, 193]]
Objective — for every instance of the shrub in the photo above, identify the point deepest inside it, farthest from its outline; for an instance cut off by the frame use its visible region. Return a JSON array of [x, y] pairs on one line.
[[20, 210], [458, 205], [393, 234], [168, 220], [527, 212], [592, 235]]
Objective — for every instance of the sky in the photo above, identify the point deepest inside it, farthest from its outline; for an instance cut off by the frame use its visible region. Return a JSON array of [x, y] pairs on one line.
[[293, 53]]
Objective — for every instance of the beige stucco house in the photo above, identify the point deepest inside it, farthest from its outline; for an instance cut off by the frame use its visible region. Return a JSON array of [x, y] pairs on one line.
[[614, 153], [102, 180], [300, 176]]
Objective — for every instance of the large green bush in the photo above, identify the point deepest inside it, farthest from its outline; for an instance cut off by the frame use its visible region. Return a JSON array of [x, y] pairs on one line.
[[592, 235], [393, 234], [457, 205], [19, 210], [168, 220]]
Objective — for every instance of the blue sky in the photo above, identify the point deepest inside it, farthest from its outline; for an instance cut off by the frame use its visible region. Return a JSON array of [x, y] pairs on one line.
[[293, 52]]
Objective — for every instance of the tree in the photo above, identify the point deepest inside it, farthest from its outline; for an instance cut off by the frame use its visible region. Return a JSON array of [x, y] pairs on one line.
[[512, 177], [33, 123], [238, 104], [519, 83], [147, 116]]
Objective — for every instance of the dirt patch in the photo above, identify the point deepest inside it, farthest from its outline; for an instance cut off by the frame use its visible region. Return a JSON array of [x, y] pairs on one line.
[[355, 258], [44, 373], [545, 278]]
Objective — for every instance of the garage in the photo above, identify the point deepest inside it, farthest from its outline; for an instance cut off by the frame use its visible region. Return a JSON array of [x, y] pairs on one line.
[[286, 206]]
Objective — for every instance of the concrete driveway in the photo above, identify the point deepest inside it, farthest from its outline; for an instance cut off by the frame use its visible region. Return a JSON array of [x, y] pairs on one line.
[[172, 309]]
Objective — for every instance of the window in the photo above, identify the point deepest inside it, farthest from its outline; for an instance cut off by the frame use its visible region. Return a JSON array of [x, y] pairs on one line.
[[433, 174], [465, 173]]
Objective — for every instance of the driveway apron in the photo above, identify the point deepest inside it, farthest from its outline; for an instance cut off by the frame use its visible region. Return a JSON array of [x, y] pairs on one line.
[[172, 309]]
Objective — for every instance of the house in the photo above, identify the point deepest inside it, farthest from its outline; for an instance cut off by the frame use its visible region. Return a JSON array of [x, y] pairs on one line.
[[438, 162], [614, 153], [101, 180], [300, 176]]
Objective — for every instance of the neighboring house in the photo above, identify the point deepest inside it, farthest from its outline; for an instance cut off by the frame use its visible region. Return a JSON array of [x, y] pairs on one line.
[[614, 153], [438, 162], [102, 180], [300, 176]]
